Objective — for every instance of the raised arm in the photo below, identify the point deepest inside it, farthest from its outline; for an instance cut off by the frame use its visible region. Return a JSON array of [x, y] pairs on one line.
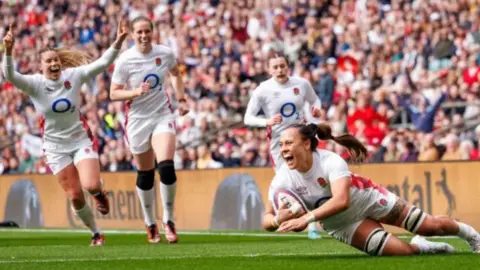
[[107, 58], [22, 82]]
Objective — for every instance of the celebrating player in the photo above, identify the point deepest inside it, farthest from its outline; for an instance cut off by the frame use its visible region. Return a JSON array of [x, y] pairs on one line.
[[351, 207], [69, 148], [138, 79], [283, 99]]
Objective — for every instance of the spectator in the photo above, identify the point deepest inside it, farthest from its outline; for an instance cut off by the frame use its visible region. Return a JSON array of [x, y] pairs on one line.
[[452, 151], [428, 149], [205, 160]]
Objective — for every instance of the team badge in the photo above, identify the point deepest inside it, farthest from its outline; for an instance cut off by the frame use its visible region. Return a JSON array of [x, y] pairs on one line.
[[67, 85], [296, 91], [322, 182], [158, 61], [382, 202], [87, 150]]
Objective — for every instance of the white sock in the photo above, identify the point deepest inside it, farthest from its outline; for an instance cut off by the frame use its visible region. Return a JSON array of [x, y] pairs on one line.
[[86, 215], [466, 231], [427, 247], [168, 193], [146, 200]]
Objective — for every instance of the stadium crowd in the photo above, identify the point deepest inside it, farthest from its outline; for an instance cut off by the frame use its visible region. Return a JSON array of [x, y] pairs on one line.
[[383, 69]]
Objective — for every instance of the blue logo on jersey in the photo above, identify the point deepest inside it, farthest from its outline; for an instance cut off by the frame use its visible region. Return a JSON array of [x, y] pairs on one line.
[[61, 105], [153, 79], [288, 110]]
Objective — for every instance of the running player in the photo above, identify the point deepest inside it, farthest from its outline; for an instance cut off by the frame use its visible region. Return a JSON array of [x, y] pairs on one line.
[[138, 79], [69, 148], [351, 207], [282, 99]]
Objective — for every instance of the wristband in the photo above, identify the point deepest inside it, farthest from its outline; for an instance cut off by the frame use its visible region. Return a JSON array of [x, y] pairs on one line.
[[310, 217]]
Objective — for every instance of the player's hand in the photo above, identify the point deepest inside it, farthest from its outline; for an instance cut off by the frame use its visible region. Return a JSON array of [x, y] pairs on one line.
[[276, 119], [285, 214], [122, 30], [316, 112], [142, 89], [296, 225], [9, 40], [183, 107]]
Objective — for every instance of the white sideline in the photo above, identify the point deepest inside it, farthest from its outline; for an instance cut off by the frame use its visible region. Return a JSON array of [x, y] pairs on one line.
[[296, 235], [13, 261]]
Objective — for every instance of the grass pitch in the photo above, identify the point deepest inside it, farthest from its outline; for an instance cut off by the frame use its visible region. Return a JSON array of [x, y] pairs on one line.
[[62, 249]]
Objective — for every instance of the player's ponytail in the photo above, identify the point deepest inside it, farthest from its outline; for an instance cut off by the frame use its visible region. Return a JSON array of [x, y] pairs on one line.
[[315, 132], [70, 57]]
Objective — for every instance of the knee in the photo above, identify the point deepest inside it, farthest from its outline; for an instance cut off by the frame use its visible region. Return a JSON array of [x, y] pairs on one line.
[[146, 179], [93, 187], [167, 173]]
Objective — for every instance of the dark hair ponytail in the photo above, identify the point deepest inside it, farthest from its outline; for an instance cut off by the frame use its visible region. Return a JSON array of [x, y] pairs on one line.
[[314, 132]]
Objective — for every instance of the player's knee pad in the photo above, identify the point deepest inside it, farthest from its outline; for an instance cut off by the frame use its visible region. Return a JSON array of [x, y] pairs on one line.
[[166, 170], [145, 179], [414, 219], [376, 241]]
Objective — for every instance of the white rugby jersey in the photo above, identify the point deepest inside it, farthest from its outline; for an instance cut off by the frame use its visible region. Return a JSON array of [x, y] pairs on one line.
[[314, 187], [287, 99], [59, 101], [133, 68]]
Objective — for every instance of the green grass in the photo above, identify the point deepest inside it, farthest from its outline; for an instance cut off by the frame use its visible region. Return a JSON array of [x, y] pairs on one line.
[[63, 250]]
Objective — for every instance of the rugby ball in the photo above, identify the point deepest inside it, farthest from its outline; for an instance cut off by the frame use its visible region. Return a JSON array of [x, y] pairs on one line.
[[291, 199]]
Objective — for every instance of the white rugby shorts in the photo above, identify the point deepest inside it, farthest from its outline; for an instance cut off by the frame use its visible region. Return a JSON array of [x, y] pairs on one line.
[[140, 131]]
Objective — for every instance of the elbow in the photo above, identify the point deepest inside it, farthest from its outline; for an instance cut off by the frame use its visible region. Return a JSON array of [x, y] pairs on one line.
[[246, 121], [112, 96]]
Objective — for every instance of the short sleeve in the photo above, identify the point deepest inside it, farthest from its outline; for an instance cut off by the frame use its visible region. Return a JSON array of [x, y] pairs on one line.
[[120, 73], [336, 167]]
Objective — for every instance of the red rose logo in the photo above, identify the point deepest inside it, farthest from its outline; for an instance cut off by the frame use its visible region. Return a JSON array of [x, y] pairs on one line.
[[158, 61], [322, 182], [87, 150], [67, 84], [296, 91], [382, 202]]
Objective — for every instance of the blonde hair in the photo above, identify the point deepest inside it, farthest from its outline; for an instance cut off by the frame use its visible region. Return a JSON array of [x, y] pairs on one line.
[[70, 57]]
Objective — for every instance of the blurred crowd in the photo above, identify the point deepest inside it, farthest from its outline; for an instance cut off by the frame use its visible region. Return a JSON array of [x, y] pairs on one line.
[[401, 75]]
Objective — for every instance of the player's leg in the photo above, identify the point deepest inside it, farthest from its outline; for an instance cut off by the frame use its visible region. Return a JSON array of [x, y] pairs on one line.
[[88, 166], [415, 220], [164, 143], [67, 176], [139, 132], [370, 237]]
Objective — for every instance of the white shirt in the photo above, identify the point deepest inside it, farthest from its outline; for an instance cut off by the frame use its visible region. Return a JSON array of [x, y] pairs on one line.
[[59, 101], [133, 68], [314, 187], [287, 99]]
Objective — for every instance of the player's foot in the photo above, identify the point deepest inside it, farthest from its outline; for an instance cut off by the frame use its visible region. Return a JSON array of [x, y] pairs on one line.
[[431, 247], [170, 232], [101, 203], [474, 243], [98, 240], [152, 234]]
